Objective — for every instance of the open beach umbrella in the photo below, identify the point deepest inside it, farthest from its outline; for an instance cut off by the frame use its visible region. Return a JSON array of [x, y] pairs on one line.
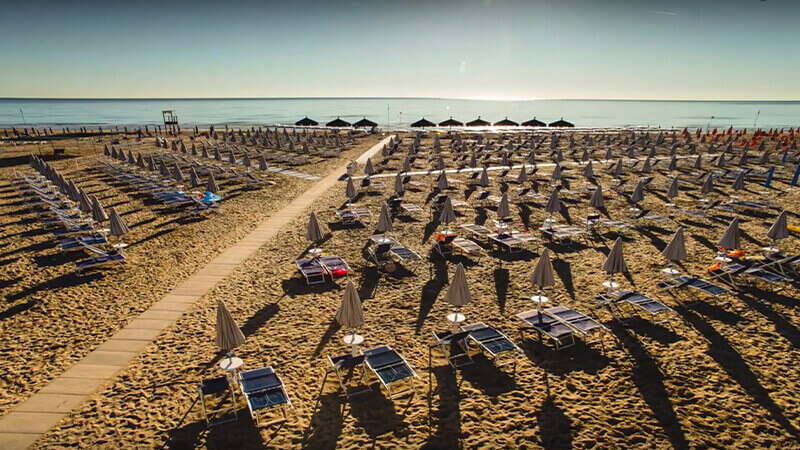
[[675, 251], [506, 123], [597, 201], [306, 122], [441, 183], [350, 190], [779, 229], [314, 232], [337, 122], [384, 220], [350, 313], [730, 239], [423, 123], [533, 123], [478, 123], [448, 215], [503, 209], [458, 293], [365, 123], [98, 213], [229, 336], [638, 192], [399, 187], [588, 171], [561, 123], [451, 123], [212, 184], [615, 263]]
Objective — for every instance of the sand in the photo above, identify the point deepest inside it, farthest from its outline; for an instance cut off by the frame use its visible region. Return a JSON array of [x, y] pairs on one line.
[[53, 317], [716, 375]]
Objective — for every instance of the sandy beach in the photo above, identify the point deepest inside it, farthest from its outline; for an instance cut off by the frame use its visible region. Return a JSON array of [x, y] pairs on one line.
[[713, 375]]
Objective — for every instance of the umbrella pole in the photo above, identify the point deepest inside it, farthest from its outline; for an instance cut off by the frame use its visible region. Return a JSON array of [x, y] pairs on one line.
[[455, 321]]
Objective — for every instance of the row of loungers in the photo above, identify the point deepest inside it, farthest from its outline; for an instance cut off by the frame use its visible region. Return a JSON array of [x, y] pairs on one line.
[[66, 224]]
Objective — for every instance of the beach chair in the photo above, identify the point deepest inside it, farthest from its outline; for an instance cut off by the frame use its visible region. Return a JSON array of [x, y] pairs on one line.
[[506, 241], [637, 302], [335, 266], [478, 231], [443, 243], [101, 261], [692, 284], [494, 344], [404, 255], [562, 234], [454, 347], [345, 368], [560, 333], [220, 392], [81, 242], [264, 391], [311, 270], [411, 208], [588, 328], [781, 264], [379, 253], [393, 372], [755, 275], [352, 215], [466, 247]]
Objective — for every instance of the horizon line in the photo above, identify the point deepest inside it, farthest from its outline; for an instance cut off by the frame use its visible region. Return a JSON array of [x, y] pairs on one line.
[[405, 98]]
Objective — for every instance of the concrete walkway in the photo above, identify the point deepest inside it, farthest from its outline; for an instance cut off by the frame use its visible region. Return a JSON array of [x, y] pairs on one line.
[[23, 425]]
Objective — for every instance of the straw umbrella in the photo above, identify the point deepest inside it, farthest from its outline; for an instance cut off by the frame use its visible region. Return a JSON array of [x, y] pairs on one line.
[[542, 277], [229, 336], [778, 230], [458, 295], [615, 263], [675, 251], [384, 220], [118, 228], [351, 315], [212, 184], [314, 233]]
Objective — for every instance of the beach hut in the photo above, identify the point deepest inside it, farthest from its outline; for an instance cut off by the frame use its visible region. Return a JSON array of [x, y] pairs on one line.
[[365, 123], [421, 123], [561, 123], [506, 123], [338, 123], [306, 122], [478, 123], [533, 123], [451, 123]]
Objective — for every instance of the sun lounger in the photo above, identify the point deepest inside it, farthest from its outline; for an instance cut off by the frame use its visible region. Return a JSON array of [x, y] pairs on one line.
[[346, 367], [454, 347], [411, 208], [590, 329], [352, 215], [478, 231], [748, 206], [468, 248], [311, 269], [759, 275], [506, 241], [393, 372], [781, 264], [80, 242], [81, 229], [220, 390], [694, 284], [636, 301], [335, 266], [404, 255], [496, 345], [106, 259], [562, 234], [560, 333], [264, 391]]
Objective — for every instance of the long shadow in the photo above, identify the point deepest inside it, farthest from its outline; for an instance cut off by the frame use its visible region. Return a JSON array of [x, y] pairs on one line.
[[650, 381], [736, 367], [579, 358], [9, 283], [783, 326], [375, 414], [657, 242], [655, 332], [563, 269], [714, 312], [501, 284], [368, 282], [431, 290], [326, 423], [261, 317], [239, 434], [39, 246], [554, 426], [705, 242], [70, 279], [153, 236], [448, 413], [487, 378], [333, 328], [56, 259], [297, 286]]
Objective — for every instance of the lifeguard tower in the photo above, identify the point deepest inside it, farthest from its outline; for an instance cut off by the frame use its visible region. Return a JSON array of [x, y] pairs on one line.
[[171, 122]]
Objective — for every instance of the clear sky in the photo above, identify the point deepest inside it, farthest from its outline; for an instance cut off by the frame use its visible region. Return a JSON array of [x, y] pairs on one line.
[[488, 49]]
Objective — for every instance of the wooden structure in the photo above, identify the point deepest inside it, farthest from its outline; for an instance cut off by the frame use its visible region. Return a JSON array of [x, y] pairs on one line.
[[170, 122]]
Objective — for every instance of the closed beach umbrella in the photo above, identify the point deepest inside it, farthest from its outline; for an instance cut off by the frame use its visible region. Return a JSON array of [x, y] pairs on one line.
[[779, 229], [556, 175], [177, 174], [588, 171], [194, 180], [369, 169], [350, 190], [503, 209], [523, 175], [407, 165], [165, 170], [151, 164], [484, 181], [673, 164], [448, 215], [118, 226], [647, 166], [542, 275], [85, 205], [609, 155], [730, 240], [314, 232], [350, 313], [384, 220], [399, 188], [262, 162], [217, 156], [674, 189], [246, 160], [638, 192], [597, 201], [231, 157], [140, 161], [675, 251], [458, 293], [553, 204], [212, 184], [721, 160], [229, 336], [98, 213], [441, 183], [615, 262], [708, 185], [619, 169], [738, 183], [698, 163]]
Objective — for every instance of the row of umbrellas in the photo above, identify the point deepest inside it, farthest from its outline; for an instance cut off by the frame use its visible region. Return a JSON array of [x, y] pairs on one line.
[[422, 123]]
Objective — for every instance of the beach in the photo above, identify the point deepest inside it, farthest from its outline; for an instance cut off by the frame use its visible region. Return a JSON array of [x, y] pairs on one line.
[[708, 373]]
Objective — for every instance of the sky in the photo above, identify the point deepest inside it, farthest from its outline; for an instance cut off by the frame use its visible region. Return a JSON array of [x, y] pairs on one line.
[[478, 49]]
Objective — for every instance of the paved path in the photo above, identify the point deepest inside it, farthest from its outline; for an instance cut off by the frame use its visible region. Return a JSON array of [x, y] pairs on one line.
[[23, 425]]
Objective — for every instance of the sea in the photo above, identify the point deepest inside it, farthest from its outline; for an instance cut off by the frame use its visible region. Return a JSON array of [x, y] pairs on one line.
[[398, 113]]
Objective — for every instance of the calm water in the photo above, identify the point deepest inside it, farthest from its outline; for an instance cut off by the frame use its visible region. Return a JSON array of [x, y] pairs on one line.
[[583, 113]]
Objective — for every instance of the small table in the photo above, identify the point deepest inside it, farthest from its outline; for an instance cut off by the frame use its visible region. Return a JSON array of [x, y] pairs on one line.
[[456, 318], [771, 250], [540, 299], [353, 340], [231, 365], [723, 259], [670, 272], [315, 252], [610, 286]]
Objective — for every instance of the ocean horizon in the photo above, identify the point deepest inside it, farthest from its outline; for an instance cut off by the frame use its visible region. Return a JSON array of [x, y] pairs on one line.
[[398, 112]]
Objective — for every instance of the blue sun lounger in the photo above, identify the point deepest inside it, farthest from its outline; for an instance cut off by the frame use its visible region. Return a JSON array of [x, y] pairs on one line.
[[695, 284], [97, 262], [636, 301], [561, 334], [392, 371], [80, 242], [64, 232], [496, 345], [264, 391]]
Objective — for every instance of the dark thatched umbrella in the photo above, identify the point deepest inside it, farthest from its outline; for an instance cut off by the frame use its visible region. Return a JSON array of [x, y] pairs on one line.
[[561, 123], [506, 123], [478, 123], [451, 123], [365, 123], [338, 122], [533, 123], [423, 123], [306, 122]]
